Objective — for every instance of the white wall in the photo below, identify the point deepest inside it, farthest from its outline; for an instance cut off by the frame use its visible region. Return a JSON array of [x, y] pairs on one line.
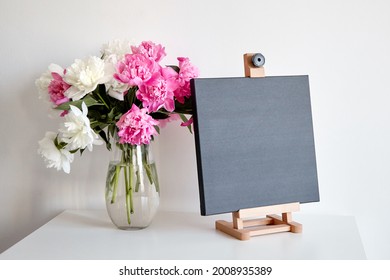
[[344, 46]]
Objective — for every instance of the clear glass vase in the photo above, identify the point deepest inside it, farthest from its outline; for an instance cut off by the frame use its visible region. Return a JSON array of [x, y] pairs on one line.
[[132, 188]]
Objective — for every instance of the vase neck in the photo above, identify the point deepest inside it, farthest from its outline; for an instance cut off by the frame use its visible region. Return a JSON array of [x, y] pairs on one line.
[[126, 153]]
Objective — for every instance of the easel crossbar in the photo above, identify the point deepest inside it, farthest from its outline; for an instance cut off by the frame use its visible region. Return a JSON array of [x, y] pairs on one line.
[[262, 211]]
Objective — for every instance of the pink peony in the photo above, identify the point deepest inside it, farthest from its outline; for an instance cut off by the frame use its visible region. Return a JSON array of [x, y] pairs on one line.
[[57, 88], [136, 69], [157, 92], [151, 50], [136, 127], [186, 73]]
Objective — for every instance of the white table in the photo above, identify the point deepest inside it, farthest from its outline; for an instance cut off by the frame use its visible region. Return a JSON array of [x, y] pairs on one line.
[[89, 234]]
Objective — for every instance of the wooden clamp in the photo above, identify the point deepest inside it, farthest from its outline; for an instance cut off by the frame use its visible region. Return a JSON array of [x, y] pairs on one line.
[[246, 222]]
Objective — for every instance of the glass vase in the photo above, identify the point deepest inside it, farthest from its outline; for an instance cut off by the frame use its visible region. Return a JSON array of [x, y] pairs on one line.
[[132, 188]]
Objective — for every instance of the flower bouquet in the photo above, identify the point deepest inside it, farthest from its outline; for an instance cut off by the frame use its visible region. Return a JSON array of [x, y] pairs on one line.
[[121, 98]]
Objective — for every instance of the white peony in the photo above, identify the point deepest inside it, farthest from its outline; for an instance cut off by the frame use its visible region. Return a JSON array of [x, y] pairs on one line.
[[112, 52], [59, 159], [85, 75], [117, 89], [44, 81], [115, 50], [77, 131]]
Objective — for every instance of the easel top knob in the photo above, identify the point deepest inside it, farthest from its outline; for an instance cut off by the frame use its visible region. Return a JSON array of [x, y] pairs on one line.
[[253, 65]]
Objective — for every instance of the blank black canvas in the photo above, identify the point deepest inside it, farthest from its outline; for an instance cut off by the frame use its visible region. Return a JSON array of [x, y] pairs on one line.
[[254, 142]]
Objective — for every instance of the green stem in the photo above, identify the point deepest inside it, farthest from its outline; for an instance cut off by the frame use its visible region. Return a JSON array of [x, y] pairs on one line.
[[114, 191], [154, 175], [137, 172], [126, 159], [146, 164], [131, 179], [128, 189], [138, 183], [148, 172], [102, 100], [128, 207]]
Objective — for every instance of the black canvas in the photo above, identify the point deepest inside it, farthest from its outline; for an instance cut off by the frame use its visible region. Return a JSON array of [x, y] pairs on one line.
[[254, 142]]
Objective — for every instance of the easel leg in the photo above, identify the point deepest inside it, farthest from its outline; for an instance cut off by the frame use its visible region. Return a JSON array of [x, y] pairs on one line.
[[237, 221], [287, 217], [295, 227], [226, 227]]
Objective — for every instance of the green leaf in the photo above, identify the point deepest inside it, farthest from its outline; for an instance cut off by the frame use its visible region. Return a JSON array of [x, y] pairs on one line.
[[100, 94], [88, 100], [130, 98], [159, 115], [174, 67], [111, 130], [157, 129], [73, 151], [111, 114], [185, 108], [59, 145], [104, 137]]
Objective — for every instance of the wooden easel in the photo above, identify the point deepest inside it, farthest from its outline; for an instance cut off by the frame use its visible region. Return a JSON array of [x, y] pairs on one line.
[[246, 222]]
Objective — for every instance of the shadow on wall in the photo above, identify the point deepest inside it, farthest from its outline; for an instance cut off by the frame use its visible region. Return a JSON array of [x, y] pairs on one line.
[[177, 169], [22, 180]]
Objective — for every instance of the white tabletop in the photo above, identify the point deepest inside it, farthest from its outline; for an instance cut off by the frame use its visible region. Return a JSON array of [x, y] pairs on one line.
[[89, 234]]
